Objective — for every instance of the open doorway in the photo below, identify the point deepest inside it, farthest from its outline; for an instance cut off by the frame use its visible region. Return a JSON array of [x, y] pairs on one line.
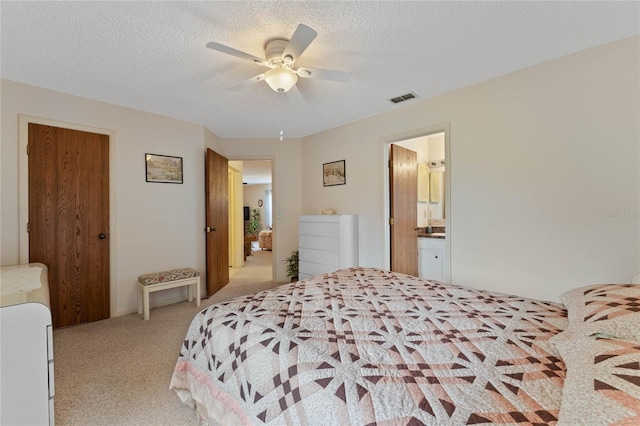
[[425, 233], [252, 246]]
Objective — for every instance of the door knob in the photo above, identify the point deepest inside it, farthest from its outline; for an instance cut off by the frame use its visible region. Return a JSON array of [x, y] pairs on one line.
[[209, 229], [102, 236]]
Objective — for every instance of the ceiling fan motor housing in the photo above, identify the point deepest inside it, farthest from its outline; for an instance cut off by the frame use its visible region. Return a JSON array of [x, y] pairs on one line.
[[280, 78], [273, 51]]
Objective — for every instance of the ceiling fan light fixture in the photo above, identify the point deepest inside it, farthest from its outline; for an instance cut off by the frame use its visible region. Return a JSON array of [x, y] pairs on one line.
[[280, 79]]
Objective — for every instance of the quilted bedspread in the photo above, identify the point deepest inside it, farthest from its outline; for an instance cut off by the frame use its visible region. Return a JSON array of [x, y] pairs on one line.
[[364, 346]]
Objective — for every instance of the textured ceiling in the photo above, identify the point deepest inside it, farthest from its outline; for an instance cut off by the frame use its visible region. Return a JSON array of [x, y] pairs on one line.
[[152, 56]]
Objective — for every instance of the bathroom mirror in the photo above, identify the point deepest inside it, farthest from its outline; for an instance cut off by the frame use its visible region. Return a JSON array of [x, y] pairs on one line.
[[436, 195]]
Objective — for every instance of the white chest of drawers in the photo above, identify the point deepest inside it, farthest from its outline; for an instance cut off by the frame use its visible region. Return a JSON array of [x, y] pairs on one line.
[[327, 243]]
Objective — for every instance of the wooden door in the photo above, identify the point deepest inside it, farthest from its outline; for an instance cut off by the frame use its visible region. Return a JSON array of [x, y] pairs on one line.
[[217, 221], [403, 184], [69, 220]]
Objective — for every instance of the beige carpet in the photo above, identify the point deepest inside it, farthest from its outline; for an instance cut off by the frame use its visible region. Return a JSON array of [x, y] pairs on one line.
[[117, 371]]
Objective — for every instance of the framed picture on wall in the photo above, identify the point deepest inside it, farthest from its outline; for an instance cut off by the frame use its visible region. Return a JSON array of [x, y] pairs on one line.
[[163, 168], [334, 173]]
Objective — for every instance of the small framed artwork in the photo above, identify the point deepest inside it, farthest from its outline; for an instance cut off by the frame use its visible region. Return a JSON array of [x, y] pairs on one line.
[[334, 173], [163, 168]]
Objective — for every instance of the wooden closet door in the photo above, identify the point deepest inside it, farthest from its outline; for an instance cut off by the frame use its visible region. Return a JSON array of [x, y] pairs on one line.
[[69, 220]]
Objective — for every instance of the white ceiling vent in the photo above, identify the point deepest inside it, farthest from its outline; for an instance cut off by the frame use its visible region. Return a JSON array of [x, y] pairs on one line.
[[403, 98]]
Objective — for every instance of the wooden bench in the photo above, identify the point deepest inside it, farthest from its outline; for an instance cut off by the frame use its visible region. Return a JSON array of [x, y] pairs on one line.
[[148, 283]]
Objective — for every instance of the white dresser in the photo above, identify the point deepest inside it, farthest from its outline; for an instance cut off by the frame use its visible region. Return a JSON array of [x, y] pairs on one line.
[[26, 349], [327, 243]]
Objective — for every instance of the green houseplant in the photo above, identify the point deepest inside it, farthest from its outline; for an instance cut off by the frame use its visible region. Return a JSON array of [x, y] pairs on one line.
[[292, 265], [254, 223]]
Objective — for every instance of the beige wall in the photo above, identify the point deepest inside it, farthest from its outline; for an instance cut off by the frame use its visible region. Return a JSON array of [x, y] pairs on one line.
[[539, 159], [156, 226], [253, 193], [544, 163]]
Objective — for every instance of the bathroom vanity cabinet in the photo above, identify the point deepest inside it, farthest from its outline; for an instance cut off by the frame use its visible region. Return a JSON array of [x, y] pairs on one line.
[[431, 253]]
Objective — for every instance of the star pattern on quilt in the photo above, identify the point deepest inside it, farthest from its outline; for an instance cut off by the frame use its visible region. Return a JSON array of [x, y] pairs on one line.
[[360, 334]]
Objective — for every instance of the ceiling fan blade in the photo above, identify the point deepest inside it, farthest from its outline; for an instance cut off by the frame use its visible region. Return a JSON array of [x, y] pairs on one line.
[[237, 53], [295, 97], [300, 40], [246, 83], [333, 75]]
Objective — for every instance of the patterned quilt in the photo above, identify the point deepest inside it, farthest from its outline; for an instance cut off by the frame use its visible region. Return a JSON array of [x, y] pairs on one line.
[[364, 346]]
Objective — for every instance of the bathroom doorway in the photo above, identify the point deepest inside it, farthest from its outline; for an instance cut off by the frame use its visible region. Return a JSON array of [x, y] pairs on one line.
[[429, 186]]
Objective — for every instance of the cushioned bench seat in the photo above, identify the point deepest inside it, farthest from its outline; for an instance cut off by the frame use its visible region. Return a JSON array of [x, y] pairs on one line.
[[148, 283]]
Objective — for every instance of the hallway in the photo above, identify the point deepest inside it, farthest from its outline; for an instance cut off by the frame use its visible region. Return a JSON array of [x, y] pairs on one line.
[[254, 276]]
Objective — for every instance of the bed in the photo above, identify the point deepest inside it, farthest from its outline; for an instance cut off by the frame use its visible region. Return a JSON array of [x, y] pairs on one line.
[[264, 239], [364, 346]]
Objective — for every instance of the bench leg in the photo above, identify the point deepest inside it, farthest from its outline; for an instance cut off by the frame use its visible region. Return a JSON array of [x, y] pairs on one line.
[[197, 284], [145, 303], [139, 299]]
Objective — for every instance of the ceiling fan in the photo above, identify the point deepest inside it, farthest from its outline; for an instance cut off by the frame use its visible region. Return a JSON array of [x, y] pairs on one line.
[[281, 56]]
